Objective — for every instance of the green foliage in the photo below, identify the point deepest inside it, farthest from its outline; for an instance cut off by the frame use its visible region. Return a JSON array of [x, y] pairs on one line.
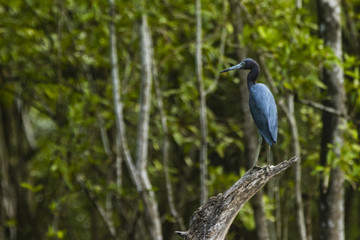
[[32, 188], [58, 234], [55, 59]]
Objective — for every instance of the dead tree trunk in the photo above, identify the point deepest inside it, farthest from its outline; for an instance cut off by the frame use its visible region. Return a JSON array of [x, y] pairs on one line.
[[213, 219]]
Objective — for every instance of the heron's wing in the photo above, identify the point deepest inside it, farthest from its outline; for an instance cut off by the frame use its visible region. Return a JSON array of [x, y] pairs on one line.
[[264, 112]]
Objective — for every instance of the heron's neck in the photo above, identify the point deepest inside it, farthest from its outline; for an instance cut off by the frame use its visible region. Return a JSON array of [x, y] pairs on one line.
[[252, 76]]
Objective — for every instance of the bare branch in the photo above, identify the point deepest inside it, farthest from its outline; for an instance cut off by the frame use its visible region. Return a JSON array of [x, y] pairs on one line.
[[213, 219], [321, 107]]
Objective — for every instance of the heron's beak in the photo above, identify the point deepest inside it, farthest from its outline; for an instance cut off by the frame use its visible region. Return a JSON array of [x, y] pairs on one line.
[[240, 65]]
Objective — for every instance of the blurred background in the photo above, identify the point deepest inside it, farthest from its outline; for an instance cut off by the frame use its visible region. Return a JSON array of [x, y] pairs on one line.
[[116, 124]]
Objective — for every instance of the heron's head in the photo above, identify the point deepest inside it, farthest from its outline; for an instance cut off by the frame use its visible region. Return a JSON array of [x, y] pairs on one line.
[[246, 64]]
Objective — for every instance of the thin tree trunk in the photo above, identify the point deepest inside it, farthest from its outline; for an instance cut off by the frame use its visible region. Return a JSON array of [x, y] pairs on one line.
[[351, 38], [8, 194], [116, 92], [332, 188], [153, 218], [203, 119], [298, 4], [62, 103], [271, 194], [138, 175], [165, 157], [94, 224], [118, 106], [145, 97], [286, 213], [214, 84], [275, 189], [257, 203], [290, 114], [250, 134]]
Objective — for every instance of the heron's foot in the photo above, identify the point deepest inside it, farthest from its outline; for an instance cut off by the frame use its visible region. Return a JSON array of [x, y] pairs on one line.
[[256, 167]]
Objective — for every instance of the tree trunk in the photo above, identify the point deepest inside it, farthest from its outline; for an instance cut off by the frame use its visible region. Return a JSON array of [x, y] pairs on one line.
[[290, 112], [248, 127], [17, 146], [138, 173], [8, 188], [332, 189], [149, 198], [116, 91], [202, 109], [212, 220]]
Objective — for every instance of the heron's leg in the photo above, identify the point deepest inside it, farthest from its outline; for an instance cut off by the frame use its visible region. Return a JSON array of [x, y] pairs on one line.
[[258, 148], [268, 158]]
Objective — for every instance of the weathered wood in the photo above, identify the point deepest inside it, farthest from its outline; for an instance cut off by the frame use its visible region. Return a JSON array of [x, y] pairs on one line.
[[213, 219]]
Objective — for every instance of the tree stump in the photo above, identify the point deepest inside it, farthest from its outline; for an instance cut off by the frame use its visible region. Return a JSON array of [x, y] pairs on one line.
[[213, 219]]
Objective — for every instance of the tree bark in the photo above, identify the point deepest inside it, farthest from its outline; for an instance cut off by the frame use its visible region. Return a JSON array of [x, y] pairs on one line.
[[303, 235], [116, 91], [332, 187], [149, 198], [202, 109], [213, 219]]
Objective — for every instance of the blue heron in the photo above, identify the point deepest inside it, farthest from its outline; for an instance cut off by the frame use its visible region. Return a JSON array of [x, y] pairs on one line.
[[262, 106]]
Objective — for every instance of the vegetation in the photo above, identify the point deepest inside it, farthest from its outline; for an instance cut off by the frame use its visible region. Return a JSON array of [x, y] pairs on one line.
[[71, 166]]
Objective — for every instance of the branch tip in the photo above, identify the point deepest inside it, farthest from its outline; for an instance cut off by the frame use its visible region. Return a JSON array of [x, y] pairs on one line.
[[181, 233]]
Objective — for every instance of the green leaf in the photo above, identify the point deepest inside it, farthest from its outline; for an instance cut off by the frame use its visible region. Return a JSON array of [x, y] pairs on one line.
[[32, 188]]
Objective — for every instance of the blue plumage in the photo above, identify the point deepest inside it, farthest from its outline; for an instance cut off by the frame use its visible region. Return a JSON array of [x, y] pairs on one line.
[[262, 104], [264, 112]]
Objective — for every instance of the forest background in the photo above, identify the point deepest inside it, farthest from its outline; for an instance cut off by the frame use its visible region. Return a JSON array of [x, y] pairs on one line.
[[115, 122]]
